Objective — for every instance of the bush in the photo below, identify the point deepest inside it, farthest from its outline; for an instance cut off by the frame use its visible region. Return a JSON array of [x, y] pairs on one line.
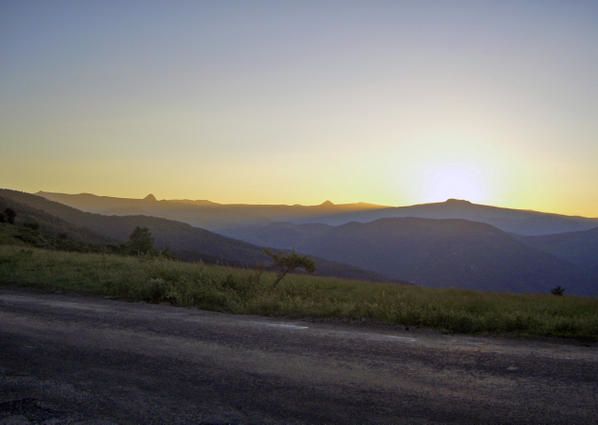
[[158, 290], [558, 291], [33, 225], [141, 242], [10, 215]]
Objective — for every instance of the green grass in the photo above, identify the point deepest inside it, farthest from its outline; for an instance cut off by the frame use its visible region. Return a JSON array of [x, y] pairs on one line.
[[246, 292], [16, 235], [22, 234]]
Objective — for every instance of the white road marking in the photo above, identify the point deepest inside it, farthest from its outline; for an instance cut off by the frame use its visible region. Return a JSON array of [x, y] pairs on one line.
[[280, 325], [399, 338], [286, 325], [371, 336]]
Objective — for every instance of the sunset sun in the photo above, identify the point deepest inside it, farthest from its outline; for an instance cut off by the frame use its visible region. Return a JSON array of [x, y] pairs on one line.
[[459, 181]]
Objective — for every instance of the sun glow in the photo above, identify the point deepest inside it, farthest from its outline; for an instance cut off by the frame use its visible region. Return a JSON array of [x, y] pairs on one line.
[[460, 181]]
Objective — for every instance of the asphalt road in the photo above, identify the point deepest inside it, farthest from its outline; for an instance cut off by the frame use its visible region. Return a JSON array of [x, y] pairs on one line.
[[80, 360]]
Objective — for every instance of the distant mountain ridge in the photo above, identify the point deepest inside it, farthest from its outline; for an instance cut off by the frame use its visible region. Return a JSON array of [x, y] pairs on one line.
[[580, 248], [231, 219], [202, 213], [434, 252], [523, 222]]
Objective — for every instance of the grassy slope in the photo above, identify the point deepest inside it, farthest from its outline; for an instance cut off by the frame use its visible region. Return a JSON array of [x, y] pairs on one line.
[[241, 291], [53, 231], [184, 241]]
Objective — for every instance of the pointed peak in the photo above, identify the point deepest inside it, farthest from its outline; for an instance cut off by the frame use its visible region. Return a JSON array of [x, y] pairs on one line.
[[457, 201], [327, 203], [150, 197]]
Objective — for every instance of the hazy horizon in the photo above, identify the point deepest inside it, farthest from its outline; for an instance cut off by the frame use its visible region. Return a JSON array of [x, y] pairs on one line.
[[391, 103], [324, 201]]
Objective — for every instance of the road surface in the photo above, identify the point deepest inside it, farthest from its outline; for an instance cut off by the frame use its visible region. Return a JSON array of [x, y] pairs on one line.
[[80, 360]]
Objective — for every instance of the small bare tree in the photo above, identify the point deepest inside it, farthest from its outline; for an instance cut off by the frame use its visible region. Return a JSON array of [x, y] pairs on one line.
[[286, 263], [559, 291]]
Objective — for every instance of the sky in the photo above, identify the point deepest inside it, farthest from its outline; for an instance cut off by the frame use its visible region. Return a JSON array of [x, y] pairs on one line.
[[387, 102]]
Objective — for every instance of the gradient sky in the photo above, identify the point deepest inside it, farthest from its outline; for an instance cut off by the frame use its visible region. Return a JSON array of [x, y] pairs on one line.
[[297, 102]]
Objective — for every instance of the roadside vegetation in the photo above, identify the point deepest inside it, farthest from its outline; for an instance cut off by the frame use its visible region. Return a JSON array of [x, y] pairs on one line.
[[158, 279]]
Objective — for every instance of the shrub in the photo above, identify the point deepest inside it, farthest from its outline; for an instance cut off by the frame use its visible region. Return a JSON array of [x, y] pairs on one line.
[[33, 225], [158, 290], [558, 291], [10, 215], [141, 242]]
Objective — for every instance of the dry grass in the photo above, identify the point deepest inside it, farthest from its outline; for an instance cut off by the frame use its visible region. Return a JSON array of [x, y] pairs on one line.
[[246, 292]]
